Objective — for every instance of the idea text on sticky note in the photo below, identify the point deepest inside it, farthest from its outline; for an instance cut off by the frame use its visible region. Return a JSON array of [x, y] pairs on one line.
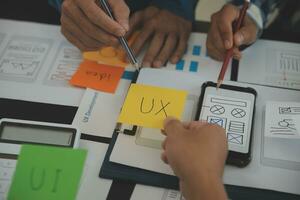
[[97, 76]]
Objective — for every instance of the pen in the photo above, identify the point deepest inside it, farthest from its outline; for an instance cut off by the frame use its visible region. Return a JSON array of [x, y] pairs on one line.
[[122, 40], [229, 52]]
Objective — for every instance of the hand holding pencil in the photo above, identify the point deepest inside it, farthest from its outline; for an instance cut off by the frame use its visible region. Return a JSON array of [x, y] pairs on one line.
[[229, 52]]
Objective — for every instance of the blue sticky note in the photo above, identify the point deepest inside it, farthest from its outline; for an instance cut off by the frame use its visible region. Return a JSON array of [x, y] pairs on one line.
[[128, 75], [194, 66], [196, 50], [180, 65]]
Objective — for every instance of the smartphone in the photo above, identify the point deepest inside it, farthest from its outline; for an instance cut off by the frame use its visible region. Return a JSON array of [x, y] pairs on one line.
[[231, 107]]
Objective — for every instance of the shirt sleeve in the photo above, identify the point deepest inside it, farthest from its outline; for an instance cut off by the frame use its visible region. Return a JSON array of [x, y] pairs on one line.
[[182, 8], [259, 10], [56, 4]]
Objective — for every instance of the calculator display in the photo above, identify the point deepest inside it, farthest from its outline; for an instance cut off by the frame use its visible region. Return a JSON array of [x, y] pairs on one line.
[[29, 133]]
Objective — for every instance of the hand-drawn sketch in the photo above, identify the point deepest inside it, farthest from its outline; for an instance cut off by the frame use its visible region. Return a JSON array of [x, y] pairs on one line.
[[217, 120], [172, 195], [230, 113], [288, 123], [22, 67], [289, 62], [235, 138], [283, 68], [285, 127], [289, 110], [238, 113], [64, 65], [23, 57], [231, 102], [236, 127], [217, 109]]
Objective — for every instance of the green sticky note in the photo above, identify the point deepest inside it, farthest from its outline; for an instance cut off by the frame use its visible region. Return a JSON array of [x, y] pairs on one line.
[[47, 173]]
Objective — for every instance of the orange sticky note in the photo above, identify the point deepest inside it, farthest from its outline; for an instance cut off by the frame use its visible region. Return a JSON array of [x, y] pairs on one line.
[[97, 76], [107, 55], [110, 55]]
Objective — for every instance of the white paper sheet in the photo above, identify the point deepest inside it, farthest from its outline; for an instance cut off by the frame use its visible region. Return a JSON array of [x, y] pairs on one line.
[[278, 64], [36, 63], [279, 119], [98, 113], [281, 140], [91, 186], [296, 120], [143, 192]]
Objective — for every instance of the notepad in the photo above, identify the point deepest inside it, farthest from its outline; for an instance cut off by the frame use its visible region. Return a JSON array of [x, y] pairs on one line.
[[281, 143], [97, 76], [44, 172], [280, 119], [148, 106]]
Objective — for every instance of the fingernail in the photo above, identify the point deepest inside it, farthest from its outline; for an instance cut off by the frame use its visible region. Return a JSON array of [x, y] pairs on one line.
[[174, 60], [125, 26], [227, 44], [168, 119], [121, 32], [157, 63], [239, 38]]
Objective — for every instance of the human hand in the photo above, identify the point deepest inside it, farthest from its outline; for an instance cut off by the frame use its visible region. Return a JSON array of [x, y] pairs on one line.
[[196, 152], [89, 28], [220, 36], [168, 35]]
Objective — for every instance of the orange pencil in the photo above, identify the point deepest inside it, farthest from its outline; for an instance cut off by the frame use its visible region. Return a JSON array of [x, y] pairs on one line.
[[229, 52]]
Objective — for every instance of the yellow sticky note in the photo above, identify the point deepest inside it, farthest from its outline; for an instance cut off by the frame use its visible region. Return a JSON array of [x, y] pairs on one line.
[[148, 106], [110, 55], [107, 55]]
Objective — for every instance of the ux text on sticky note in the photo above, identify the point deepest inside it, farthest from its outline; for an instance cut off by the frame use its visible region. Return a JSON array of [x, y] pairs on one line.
[[97, 76], [148, 106], [44, 172]]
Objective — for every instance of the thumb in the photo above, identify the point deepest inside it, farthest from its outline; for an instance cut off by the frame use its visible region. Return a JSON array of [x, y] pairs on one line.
[[246, 35], [121, 12], [173, 126]]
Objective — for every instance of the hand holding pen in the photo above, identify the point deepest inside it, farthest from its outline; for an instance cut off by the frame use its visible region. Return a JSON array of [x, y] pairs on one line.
[[90, 27], [229, 53]]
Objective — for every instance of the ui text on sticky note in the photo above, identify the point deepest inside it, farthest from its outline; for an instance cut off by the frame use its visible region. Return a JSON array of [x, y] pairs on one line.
[[44, 172], [148, 106], [97, 76]]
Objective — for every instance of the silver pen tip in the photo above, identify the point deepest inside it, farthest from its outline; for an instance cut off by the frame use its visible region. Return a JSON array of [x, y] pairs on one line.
[[136, 65]]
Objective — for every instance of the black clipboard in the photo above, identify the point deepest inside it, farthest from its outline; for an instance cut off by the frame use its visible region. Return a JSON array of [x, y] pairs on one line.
[[115, 171]]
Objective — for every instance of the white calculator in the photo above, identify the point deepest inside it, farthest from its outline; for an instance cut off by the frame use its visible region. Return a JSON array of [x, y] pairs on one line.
[[14, 133]]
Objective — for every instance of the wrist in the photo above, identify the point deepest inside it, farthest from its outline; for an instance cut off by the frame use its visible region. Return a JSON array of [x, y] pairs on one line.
[[204, 185]]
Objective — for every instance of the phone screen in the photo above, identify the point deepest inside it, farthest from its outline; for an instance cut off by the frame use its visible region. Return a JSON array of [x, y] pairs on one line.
[[232, 110]]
